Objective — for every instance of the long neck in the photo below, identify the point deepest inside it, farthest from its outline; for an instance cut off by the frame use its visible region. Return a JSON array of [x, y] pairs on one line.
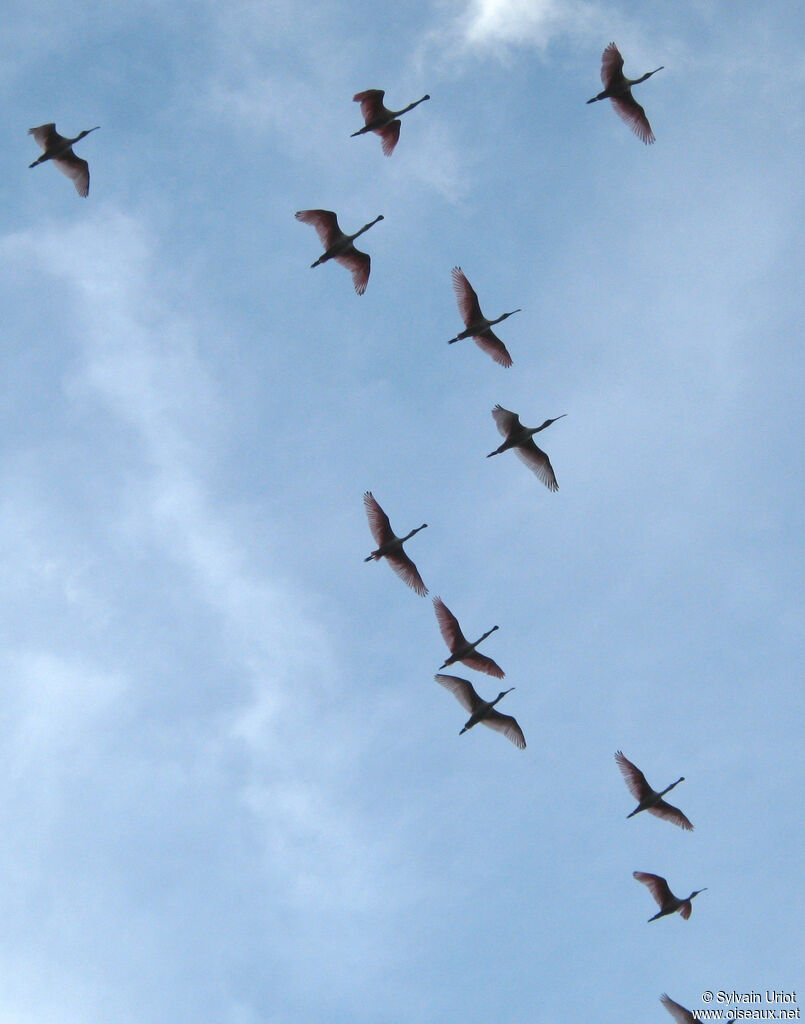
[[504, 316], [367, 226], [411, 106], [648, 74], [486, 634], [82, 134], [500, 696], [411, 534], [669, 788]]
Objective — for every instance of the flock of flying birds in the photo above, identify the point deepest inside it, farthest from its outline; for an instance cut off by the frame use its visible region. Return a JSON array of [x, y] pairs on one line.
[[339, 246]]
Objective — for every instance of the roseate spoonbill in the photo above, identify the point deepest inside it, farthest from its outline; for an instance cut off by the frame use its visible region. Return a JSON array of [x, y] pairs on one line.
[[522, 438], [483, 710], [60, 151], [477, 326], [338, 246], [390, 546], [666, 901], [649, 800], [618, 88], [680, 1014], [460, 648], [380, 119]]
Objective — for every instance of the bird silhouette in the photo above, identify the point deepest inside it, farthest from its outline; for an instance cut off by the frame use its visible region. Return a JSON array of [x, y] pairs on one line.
[[477, 326], [649, 800], [60, 150], [482, 710], [618, 88], [380, 119], [390, 546], [680, 1014], [667, 902], [338, 246], [460, 648], [522, 439]]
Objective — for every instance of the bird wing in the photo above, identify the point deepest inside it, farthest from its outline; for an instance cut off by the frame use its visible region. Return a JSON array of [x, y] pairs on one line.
[[389, 134], [671, 813], [76, 169], [537, 461], [506, 421], [490, 343], [378, 520], [679, 1013], [358, 264], [466, 297], [634, 778], [685, 910], [657, 886], [46, 135], [448, 625], [611, 65], [371, 101], [481, 663], [325, 222], [407, 571], [462, 690], [629, 110], [507, 725]]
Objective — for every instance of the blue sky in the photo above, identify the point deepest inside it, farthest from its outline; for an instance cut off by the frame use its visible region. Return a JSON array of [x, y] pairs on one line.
[[232, 790]]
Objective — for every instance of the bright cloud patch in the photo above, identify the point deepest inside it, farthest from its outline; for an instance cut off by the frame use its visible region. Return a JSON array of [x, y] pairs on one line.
[[524, 21]]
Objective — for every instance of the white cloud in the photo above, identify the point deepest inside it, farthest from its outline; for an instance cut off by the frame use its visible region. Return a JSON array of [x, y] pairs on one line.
[[142, 365], [495, 26], [532, 22]]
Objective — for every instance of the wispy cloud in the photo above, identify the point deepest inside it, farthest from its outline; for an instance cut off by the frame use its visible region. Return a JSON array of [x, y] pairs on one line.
[[495, 26]]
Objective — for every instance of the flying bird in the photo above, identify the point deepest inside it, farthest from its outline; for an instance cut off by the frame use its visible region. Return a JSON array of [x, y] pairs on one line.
[[338, 246], [390, 546], [680, 1014], [648, 799], [522, 438], [477, 325], [60, 150], [460, 648], [666, 901], [618, 88], [483, 710], [380, 119]]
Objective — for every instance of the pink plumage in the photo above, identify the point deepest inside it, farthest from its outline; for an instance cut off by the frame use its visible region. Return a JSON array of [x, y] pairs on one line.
[[460, 648], [648, 799], [338, 246], [379, 119], [477, 326], [390, 546], [618, 89]]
